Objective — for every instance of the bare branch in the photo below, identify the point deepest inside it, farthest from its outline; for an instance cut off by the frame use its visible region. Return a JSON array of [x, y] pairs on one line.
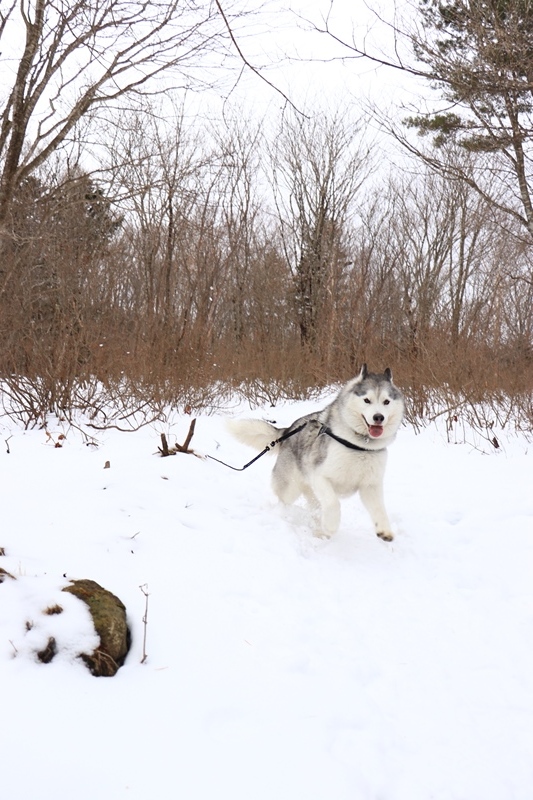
[[248, 63]]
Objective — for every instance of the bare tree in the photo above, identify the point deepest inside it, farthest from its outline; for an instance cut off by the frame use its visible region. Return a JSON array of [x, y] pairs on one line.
[[158, 170], [239, 148], [429, 279], [442, 247], [72, 58], [318, 166]]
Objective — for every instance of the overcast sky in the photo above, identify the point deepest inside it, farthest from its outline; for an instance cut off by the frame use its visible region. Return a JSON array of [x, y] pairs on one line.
[[308, 66]]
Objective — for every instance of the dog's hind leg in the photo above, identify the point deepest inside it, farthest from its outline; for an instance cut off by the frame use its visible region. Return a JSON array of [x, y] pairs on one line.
[[372, 498], [330, 507], [286, 486]]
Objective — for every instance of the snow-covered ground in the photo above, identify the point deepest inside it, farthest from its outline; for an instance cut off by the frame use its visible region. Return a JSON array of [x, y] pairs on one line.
[[280, 667]]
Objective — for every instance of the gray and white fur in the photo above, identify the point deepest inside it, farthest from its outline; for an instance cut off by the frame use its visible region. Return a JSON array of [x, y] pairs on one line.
[[366, 415]]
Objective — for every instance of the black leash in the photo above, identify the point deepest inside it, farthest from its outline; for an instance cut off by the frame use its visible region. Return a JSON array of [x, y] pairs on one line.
[[263, 452], [323, 429]]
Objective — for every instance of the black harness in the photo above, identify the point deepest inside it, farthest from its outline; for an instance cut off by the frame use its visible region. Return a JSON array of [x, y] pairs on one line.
[[346, 443]]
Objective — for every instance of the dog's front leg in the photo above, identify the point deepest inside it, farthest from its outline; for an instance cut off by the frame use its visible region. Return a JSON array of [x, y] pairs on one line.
[[330, 507], [372, 498]]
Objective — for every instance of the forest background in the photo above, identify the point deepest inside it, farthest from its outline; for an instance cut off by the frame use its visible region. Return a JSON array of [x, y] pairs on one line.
[[161, 247]]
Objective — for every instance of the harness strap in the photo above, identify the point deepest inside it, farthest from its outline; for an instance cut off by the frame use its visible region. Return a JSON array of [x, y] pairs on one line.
[[346, 443]]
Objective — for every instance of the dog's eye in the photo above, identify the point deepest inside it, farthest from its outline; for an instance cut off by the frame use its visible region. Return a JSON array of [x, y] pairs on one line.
[[386, 402], [367, 400]]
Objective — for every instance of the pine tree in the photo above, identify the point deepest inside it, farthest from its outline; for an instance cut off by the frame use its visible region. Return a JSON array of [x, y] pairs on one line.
[[480, 58]]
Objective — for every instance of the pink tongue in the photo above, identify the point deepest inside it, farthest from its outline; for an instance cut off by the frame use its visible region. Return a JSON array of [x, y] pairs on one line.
[[375, 430]]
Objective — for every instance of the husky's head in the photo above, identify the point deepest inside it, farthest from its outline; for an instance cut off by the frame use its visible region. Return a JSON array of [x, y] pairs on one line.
[[376, 405]]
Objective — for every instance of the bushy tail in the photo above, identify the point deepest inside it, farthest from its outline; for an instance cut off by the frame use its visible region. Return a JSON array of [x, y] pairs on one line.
[[254, 432]]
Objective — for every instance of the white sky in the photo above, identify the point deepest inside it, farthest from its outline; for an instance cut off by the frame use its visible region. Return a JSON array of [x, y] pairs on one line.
[[277, 38], [308, 66]]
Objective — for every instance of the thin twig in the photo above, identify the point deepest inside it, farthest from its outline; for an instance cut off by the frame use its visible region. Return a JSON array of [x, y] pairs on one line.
[[248, 64], [144, 590]]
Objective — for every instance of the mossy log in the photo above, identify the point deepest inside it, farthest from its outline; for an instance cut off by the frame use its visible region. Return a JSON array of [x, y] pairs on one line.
[[109, 618]]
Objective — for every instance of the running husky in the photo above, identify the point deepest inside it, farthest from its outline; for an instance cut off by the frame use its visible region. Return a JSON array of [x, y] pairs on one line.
[[337, 451]]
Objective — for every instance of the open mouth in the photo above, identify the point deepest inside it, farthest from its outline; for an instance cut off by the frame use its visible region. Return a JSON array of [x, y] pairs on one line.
[[375, 431]]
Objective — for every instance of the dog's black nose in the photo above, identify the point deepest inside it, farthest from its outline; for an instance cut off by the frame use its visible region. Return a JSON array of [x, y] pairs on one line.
[[378, 418]]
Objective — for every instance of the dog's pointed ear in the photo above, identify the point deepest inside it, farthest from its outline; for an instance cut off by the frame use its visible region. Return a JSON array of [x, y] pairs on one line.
[[364, 372], [388, 374]]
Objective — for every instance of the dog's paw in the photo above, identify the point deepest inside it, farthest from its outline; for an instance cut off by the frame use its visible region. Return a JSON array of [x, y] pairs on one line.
[[387, 536], [319, 533]]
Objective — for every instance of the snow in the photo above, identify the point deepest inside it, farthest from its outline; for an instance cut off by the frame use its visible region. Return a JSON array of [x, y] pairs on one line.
[[279, 666]]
